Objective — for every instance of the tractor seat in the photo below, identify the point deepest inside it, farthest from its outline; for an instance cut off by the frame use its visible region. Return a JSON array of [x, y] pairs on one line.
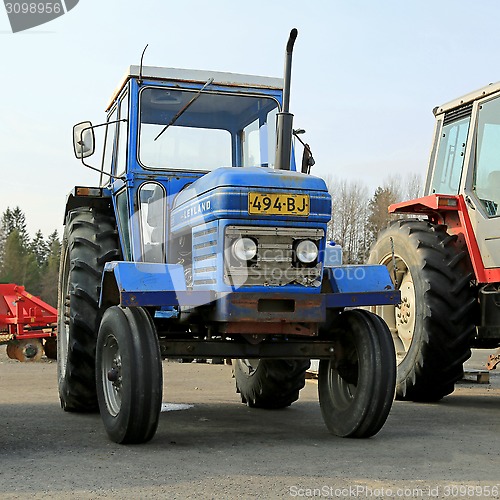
[[494, 190]]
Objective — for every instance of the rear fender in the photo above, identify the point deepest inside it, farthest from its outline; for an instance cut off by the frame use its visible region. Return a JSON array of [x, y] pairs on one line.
[[451, 210], [92, 197]]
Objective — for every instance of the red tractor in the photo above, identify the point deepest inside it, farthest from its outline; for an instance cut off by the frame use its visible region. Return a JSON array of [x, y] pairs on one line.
[[445, 258]]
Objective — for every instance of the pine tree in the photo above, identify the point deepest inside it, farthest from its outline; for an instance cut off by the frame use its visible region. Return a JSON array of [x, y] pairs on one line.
[[40, 249], [13, 268], [13, 219], [49, 278], [378, 214]]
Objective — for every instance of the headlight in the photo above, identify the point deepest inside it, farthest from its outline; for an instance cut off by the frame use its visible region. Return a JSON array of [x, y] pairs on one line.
[[244, 249], [307, 251]]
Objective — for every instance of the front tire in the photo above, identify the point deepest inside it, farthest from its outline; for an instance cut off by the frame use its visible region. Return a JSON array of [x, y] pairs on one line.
[[129, 375], [433, 325], [269, 383], [356, 387], [90, 240]]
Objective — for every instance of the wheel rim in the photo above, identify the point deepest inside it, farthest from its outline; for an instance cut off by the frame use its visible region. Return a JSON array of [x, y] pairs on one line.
[[249, 366], [400, 318], [342, 392], [111, 375]]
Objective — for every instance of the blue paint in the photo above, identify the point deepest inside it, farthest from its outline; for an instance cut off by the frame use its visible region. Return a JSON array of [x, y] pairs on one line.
[[146, 284], [201, 205], [359, 279]]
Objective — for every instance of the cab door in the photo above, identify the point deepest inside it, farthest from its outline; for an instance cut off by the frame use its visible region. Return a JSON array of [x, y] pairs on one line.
[[482, 191]]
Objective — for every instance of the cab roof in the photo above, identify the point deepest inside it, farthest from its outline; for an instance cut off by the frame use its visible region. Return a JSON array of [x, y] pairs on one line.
[[468, 98], [197, 76]]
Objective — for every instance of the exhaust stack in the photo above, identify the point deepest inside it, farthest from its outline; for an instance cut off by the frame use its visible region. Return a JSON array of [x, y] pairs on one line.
[[285, 118]]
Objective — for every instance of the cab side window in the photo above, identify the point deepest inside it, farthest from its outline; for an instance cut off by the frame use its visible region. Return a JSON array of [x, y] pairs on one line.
[[152, 200], [109, 143], [450, 157], [121, 156]]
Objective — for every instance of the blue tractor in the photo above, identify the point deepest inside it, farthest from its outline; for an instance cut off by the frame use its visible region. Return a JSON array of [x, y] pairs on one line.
[[203, 240]]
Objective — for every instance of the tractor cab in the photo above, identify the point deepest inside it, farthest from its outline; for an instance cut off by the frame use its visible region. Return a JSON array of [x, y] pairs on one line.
[[462, 187], [172, 131]]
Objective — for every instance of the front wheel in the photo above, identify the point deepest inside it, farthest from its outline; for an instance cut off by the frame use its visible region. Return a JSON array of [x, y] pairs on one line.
[[356, 387], [129, 375]]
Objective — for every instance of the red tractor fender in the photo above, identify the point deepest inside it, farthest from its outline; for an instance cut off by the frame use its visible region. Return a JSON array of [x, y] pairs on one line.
[[451, 210]]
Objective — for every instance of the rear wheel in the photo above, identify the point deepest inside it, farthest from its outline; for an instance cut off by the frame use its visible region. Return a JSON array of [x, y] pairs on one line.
[[269, 383], [90, 240], [129, 375], [356, 387], [434, 324]]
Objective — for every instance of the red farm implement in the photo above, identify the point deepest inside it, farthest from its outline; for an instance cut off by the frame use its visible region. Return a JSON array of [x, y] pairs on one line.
[[27, 324]]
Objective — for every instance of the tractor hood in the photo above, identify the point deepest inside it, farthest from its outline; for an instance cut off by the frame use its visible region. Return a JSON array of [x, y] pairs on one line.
[[224, 194]]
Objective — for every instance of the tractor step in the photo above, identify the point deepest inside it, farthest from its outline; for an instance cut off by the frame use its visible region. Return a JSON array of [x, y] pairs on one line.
[[477, 376]]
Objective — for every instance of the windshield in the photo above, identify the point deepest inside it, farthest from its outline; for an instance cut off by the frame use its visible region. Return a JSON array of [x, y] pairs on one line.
[[216, 130]]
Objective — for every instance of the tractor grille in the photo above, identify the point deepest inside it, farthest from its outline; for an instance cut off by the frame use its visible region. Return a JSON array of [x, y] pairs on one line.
[[205, 255], [275, 263]]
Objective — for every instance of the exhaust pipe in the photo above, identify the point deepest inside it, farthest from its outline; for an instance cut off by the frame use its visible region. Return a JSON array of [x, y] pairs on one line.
[[284, 125]]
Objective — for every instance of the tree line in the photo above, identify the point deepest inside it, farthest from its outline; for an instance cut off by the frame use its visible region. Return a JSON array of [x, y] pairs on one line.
[[31, 262], [357, 217]]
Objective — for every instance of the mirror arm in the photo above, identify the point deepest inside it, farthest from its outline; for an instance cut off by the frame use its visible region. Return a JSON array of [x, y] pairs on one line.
[[101, 171], [90, 166], [308, 148], [302, 142]]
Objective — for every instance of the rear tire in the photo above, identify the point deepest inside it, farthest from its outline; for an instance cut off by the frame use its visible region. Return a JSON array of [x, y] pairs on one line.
[[269, 383], [90, 240], [433, 326], [356, 387], [129, 375]]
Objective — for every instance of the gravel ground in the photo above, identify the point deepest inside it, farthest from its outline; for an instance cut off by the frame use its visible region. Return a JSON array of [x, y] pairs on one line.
[[219, 448]]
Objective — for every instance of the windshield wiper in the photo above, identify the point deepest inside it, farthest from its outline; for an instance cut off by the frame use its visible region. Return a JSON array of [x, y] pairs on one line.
[[181, 111]]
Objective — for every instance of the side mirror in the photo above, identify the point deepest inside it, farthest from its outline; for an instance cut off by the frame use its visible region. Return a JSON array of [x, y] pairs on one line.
[[307, 160], [83, 140]]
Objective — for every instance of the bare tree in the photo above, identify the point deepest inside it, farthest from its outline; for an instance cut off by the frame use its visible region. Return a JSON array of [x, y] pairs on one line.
[[414, 186], [349, 212], [357, 219]]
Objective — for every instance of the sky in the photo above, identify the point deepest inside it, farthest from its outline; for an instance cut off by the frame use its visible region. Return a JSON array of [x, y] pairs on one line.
[[366, 75]]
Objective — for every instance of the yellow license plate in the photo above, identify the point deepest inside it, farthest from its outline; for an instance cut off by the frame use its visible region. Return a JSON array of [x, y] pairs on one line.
[[278, 204]]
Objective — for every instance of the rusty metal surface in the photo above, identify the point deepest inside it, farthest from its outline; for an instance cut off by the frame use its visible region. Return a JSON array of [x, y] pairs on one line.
[[247, 307], [230, 349], [265, 328]]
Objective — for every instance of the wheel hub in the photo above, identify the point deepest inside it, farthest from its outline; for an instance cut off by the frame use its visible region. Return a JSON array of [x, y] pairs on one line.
[[112, 371], [405, 316], [404, 312], [400, 318]]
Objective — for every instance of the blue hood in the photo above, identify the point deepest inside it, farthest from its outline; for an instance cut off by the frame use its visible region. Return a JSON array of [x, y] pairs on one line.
[[223, 194]]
